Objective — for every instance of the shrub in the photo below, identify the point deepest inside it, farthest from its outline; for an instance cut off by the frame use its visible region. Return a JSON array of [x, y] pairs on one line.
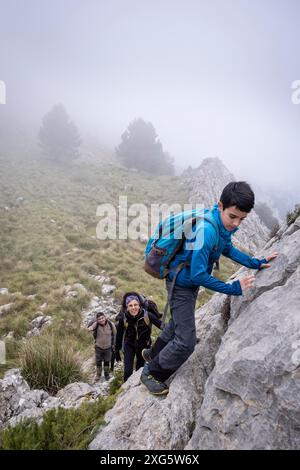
[[61, 429], [49, 363], [58, 136]]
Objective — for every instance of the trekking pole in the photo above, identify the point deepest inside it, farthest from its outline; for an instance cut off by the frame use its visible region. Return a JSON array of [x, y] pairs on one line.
[[178, 269]]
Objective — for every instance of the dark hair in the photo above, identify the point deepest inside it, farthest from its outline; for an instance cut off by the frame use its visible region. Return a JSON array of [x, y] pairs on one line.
[[238, 194], [100, 314]]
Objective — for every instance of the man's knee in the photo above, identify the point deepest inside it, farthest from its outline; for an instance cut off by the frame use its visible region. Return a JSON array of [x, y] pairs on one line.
[[185, 346]]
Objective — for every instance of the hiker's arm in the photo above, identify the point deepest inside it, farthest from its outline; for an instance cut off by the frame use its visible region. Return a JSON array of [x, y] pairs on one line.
[[114, 335], [154, 320], [114, 331], [242, 258], [92, 326], [119, 338], [200, 276]]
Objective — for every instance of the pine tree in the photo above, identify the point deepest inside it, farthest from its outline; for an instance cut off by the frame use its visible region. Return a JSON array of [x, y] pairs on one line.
[[141, 149], [58, 136]]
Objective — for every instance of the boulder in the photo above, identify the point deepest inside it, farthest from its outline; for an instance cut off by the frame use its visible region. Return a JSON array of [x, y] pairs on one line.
[[6, 308]]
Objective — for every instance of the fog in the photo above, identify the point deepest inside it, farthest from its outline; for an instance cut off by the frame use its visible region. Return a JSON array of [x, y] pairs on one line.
[[214, 77]]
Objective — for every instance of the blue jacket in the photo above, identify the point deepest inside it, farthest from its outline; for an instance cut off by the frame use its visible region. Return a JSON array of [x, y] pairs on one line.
[[202, 259]]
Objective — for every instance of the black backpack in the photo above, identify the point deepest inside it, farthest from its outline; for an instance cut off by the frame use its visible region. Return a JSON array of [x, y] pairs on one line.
[[150, 306]]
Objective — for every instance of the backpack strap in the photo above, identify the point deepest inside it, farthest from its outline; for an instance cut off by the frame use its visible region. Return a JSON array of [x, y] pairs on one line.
[[146, 318], [125, 321], [208, 219], [112, 332], [179, 267]]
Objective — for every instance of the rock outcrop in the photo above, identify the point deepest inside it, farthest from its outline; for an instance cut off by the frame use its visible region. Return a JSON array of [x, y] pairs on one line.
[[39, 323], [240, 388], [205, 185], [18, 401]]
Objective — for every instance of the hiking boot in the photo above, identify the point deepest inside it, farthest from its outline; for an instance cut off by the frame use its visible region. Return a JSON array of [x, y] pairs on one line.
[[106, 372], [154, 386], [146, 355]]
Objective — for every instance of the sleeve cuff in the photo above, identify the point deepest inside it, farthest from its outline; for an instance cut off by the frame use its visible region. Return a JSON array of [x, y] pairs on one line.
[[238, 288], [262, 261]]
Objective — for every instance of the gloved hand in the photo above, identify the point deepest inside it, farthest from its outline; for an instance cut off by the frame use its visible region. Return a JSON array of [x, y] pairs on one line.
[[118, 356]]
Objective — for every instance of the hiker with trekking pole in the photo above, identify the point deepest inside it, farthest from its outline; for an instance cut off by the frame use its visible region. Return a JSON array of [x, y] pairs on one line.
[[186, 263]]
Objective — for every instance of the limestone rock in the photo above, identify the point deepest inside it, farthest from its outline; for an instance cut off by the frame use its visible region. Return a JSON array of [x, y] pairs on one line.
[[73, 395], [97, 304], [41, 321], [107, 289], [205, 185], [38, 323], [6, 308], [18, 401], [252, 398]]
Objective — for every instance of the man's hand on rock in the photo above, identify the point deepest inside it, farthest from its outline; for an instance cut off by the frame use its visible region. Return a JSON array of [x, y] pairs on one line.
[[269, 258], [247, 282]]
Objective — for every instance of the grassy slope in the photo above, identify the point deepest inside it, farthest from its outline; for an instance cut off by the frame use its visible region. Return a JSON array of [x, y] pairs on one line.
[[48, 241]]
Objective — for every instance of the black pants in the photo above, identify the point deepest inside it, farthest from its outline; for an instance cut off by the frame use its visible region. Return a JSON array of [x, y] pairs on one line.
[[130, 352], [102, 355], [179, 336]]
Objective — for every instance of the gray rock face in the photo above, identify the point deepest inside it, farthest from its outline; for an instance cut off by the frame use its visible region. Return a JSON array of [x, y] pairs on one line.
[[73, 395], [240, 388], [39, 323], [6, 308], [252, 398], [105, 303], [9, 399], [205, 185], [18, 401], [108, 289], [97, 304]]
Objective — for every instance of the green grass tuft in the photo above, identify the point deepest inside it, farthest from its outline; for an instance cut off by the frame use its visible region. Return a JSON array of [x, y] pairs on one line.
[[49, 363]]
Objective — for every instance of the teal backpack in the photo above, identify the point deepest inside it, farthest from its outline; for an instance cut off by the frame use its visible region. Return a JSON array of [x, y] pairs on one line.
[[169, 237]]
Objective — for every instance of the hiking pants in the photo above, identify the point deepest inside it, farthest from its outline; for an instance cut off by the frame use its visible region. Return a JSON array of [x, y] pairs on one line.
[[102, 355], [179, 335], [129, 353]]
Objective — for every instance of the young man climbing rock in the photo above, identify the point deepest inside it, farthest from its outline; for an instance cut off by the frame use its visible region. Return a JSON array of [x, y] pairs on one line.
[[177, 340]]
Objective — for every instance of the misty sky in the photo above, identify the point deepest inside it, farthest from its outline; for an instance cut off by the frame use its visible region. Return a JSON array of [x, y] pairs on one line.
[[213, 76]]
